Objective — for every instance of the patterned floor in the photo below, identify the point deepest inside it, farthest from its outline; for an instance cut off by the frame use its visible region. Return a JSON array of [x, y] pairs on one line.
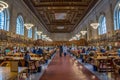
[[67, 68]]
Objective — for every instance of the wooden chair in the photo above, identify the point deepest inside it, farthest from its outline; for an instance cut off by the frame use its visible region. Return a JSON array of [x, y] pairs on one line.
[[116, 64]]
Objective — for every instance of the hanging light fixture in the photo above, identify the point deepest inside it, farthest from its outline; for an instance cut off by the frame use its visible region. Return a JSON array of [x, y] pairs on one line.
[[3, 5], [28, 25], [83, 32], [47, 38], [94, 25], [44, 36], [74, 38], [39, 32], [71, 39], [50, 40], [77, 35]]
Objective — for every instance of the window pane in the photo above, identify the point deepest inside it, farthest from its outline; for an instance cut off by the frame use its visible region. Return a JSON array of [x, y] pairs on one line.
[[30, 33], [35, 36], [20, 25], [2, 20], [102, 27], [117, 18]]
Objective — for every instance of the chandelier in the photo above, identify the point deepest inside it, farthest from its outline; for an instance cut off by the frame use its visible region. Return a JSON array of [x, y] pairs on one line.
[[48, 39], [77, 35], [39, 32], [74, 38], [28, 25], [94, 25], [3, 5], [70, 39], [83, 32], [44, 36]]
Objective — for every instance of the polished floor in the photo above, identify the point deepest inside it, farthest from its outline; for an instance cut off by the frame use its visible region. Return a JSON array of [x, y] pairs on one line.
[[67, 68]]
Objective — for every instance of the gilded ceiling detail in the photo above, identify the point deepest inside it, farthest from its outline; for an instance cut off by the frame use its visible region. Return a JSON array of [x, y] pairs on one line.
[[60, 16]]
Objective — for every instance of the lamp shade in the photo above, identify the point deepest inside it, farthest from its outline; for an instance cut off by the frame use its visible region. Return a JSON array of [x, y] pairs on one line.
[[83, 32], [44, 36], [74, 38], [77, 35], [28, 25], [94, 25], [39, 32]]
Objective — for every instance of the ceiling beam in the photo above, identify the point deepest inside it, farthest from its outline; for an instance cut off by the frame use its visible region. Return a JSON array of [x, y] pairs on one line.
[[51, 24], [33, 9], [45, 10], [60, 0], [60, 4], [60, 31], [61, 8]]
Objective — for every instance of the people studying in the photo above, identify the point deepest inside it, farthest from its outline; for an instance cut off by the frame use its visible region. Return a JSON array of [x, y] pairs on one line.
[[27, 58]]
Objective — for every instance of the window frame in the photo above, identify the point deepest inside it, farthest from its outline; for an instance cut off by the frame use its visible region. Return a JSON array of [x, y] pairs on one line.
[[117, 17], [5, 24], [20, 25], [102, 29], [30, 33]]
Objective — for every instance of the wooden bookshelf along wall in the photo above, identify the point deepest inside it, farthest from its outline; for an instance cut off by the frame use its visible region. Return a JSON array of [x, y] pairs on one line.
[[81, 42]]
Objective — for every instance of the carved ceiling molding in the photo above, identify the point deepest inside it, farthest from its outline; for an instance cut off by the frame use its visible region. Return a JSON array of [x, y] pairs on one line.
[[75, 10]]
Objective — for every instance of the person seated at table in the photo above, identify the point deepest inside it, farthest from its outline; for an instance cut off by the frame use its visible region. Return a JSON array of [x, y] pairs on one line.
[[22, 50], [7, 50], [94, 49], [87, 50], [118, 51], [48, 49], [27, 58], [102, 50], [79, 51], [40, 51], [83, 50], [34, 50]]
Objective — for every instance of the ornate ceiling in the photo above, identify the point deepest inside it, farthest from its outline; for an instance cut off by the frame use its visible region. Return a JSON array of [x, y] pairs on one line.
[[60, 16]]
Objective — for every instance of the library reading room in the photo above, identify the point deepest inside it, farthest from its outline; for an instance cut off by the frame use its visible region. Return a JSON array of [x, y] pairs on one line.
[[59, 39]]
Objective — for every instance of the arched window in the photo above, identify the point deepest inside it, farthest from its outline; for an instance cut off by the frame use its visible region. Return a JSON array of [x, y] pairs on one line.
[[30, 33], [35, 34], [117, 17], [4, 20], [102, 25], [20, 25]]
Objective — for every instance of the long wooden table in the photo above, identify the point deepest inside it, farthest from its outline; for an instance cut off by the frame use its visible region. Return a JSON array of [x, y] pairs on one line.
[[6, 74], [20, 58], [14, 62], [104, 63]]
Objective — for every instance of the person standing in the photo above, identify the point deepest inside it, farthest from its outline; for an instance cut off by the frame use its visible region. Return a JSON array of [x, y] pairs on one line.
[[61, 50], [65, 50], [27, 59]]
